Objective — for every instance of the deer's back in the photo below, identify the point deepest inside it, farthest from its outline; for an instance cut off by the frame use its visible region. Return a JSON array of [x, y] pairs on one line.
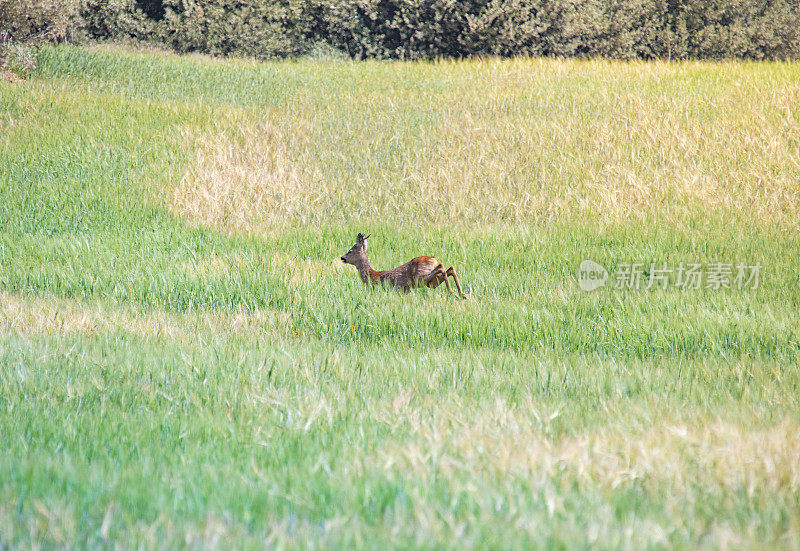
[[424, 265], [410, 274]]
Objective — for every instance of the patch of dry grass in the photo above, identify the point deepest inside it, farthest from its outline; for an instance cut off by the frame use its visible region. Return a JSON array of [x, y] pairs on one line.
[[246, 179], [511, 141], [503, 442], [54, 316]]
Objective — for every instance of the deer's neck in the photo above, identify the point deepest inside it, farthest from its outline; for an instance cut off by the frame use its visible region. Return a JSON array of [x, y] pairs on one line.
[[364, 268]]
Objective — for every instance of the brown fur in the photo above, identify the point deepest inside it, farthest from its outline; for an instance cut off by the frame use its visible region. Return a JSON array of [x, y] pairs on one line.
[[418, 272]]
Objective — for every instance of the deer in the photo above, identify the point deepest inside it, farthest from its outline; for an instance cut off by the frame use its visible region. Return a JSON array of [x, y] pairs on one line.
[[422, 271]]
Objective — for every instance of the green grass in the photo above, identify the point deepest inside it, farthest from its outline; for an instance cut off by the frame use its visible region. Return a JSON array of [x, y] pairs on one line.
[[184, 361]]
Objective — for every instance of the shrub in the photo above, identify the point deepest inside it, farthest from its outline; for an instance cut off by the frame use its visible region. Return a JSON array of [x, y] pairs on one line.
[[414, 29], [118, 20], [53, 20], [224, 27]]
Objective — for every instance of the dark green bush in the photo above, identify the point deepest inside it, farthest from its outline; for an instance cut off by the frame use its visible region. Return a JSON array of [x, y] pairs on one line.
[[53, 20], [748, 29], [414, 29], [225, 27], [119, 20]]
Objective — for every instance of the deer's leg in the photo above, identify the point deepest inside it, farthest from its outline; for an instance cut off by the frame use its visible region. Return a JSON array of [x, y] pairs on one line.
[[437, 277], [447, 283], [442, 277], [434, 279], [451, 272], [401, 286]]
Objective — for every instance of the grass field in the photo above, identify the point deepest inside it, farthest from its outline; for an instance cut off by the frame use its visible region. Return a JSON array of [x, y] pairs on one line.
[[184, 361]]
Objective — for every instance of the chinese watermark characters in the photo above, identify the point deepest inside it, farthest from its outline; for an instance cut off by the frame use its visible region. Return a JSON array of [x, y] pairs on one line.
[[684, 276]]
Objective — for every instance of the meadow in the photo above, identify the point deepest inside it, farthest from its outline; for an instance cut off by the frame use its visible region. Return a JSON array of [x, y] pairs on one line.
[[185, 361]]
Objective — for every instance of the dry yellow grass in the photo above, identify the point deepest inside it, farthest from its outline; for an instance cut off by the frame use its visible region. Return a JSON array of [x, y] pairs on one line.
[[55, 316], [245, 181], [504, 145], [500, 441]]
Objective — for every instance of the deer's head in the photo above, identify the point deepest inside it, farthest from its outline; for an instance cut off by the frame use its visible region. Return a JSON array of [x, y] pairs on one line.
[[353, 256]]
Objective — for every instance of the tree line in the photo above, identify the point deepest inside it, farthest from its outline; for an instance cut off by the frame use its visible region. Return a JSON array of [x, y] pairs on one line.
[[422, 29]]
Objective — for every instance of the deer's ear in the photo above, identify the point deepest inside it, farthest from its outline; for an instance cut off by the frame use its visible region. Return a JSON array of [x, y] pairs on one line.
[[367, 237]]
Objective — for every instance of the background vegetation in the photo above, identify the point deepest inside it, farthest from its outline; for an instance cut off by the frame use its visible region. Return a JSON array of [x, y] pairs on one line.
[[424, 29], [184, 361]]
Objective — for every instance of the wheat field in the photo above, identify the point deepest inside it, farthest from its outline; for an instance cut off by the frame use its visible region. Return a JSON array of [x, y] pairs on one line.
[[185, 361]]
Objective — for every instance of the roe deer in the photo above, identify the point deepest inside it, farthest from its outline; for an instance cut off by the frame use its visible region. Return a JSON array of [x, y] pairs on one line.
[[418, 272]]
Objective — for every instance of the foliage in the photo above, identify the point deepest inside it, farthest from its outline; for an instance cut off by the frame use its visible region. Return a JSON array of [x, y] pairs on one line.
[[53, 20], [424, 29], [119, 20]]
